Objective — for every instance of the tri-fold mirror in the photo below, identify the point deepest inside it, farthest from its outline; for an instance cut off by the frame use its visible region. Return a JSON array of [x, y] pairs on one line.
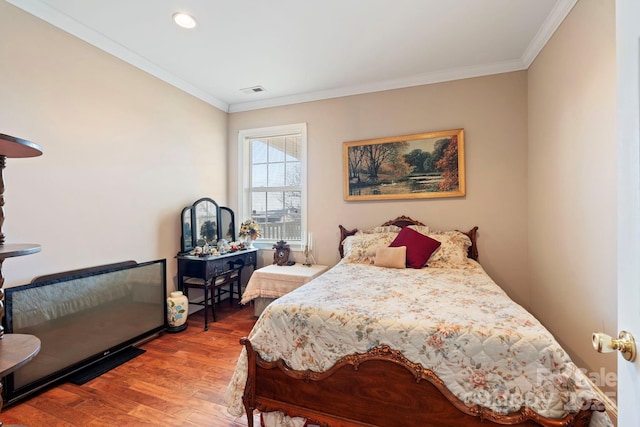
[[205, 222]]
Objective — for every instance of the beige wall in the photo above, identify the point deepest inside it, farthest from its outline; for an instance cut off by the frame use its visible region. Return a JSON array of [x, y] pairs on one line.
[[123, 153], [572, 182], [492, 110]]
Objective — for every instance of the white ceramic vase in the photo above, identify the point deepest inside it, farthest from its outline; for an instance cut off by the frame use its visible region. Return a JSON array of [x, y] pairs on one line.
[[177, 311]]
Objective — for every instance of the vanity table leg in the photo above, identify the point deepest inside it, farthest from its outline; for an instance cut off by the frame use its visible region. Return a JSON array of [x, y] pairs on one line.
[[181, 269], [206, 303]]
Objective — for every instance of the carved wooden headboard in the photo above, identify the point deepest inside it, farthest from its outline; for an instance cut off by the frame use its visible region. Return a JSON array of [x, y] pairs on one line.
[[404, 221]]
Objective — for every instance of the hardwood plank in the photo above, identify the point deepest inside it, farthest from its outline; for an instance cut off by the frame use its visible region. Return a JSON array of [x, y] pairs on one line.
[[180, 380]]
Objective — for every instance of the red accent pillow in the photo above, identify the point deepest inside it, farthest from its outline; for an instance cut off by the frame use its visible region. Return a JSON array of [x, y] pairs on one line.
[[419, 246]]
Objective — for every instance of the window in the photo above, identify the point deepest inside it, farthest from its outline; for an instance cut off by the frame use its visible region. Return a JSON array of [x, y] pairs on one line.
[[274, 181]]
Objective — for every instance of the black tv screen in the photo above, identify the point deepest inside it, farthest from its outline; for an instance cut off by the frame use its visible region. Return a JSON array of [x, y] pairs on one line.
[[83, 318]]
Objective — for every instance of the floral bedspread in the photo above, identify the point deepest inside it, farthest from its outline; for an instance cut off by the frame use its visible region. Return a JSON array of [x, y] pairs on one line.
[[455, 322]]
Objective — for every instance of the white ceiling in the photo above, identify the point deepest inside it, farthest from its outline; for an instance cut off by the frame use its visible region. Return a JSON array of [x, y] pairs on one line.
[[304, 50]]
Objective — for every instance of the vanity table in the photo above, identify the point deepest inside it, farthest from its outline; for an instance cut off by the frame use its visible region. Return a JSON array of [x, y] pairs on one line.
[[207, 267], [212, 274], [206, 225]]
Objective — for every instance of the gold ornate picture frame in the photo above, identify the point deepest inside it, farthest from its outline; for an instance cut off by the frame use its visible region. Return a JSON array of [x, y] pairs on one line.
[[423, 165]]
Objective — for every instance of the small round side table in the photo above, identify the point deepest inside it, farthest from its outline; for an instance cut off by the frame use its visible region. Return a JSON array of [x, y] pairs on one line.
[[15, 351]]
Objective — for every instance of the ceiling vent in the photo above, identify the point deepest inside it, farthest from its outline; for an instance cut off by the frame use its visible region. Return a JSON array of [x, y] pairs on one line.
[[253, 89]]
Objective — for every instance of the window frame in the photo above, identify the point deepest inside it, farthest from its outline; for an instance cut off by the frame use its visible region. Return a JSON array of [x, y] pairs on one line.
[[244, 164]]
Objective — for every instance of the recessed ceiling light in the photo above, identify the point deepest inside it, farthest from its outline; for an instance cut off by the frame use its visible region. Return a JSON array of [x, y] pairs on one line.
[[184, 20]]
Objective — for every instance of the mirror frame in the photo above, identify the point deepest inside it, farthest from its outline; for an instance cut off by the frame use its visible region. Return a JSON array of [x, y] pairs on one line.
[[186, 240], [189, 235], [197, 223], [231, 228]]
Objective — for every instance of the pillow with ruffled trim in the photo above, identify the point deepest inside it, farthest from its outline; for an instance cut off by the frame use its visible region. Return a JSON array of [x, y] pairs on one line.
[[361, 248], [453, 250], [380, 229], [422, 229]]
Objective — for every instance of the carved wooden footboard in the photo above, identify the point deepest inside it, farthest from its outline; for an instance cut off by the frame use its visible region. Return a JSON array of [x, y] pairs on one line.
[[378, 388]]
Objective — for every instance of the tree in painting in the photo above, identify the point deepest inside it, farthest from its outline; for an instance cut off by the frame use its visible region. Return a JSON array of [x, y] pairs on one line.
[[420, 160], [376, 155], [376, 160], [356, 160], [448, 165], [443, 161]]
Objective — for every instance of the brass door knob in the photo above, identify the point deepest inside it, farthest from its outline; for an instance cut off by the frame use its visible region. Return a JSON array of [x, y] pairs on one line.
[[625, 343]]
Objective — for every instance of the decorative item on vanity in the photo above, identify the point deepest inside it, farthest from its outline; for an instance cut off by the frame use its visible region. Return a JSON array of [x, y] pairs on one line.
[[204, 251], [250, 230], [307, 251], [281, 254], [177, 311], [12, 147]]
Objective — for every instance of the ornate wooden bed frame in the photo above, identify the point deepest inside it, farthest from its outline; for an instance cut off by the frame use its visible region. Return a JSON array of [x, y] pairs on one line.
[[377, 388]]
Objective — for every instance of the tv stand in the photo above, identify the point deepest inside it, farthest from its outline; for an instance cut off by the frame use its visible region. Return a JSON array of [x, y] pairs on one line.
[[105, 365]]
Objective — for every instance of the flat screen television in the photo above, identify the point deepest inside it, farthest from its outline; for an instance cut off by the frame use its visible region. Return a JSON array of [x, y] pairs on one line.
[[85, 319]]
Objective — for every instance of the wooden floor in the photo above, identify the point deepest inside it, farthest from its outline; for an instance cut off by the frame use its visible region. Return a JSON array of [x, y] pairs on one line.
[[179, 381]]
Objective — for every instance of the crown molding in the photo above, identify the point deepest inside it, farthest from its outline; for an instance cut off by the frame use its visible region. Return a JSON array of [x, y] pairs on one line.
[[419, 80], [547, 29]]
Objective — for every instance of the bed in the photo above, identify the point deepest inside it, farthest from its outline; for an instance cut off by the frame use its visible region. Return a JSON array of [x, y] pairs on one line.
[[371, 343]]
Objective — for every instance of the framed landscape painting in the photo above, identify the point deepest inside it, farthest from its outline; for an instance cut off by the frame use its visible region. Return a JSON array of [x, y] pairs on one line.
[[423, 165]]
